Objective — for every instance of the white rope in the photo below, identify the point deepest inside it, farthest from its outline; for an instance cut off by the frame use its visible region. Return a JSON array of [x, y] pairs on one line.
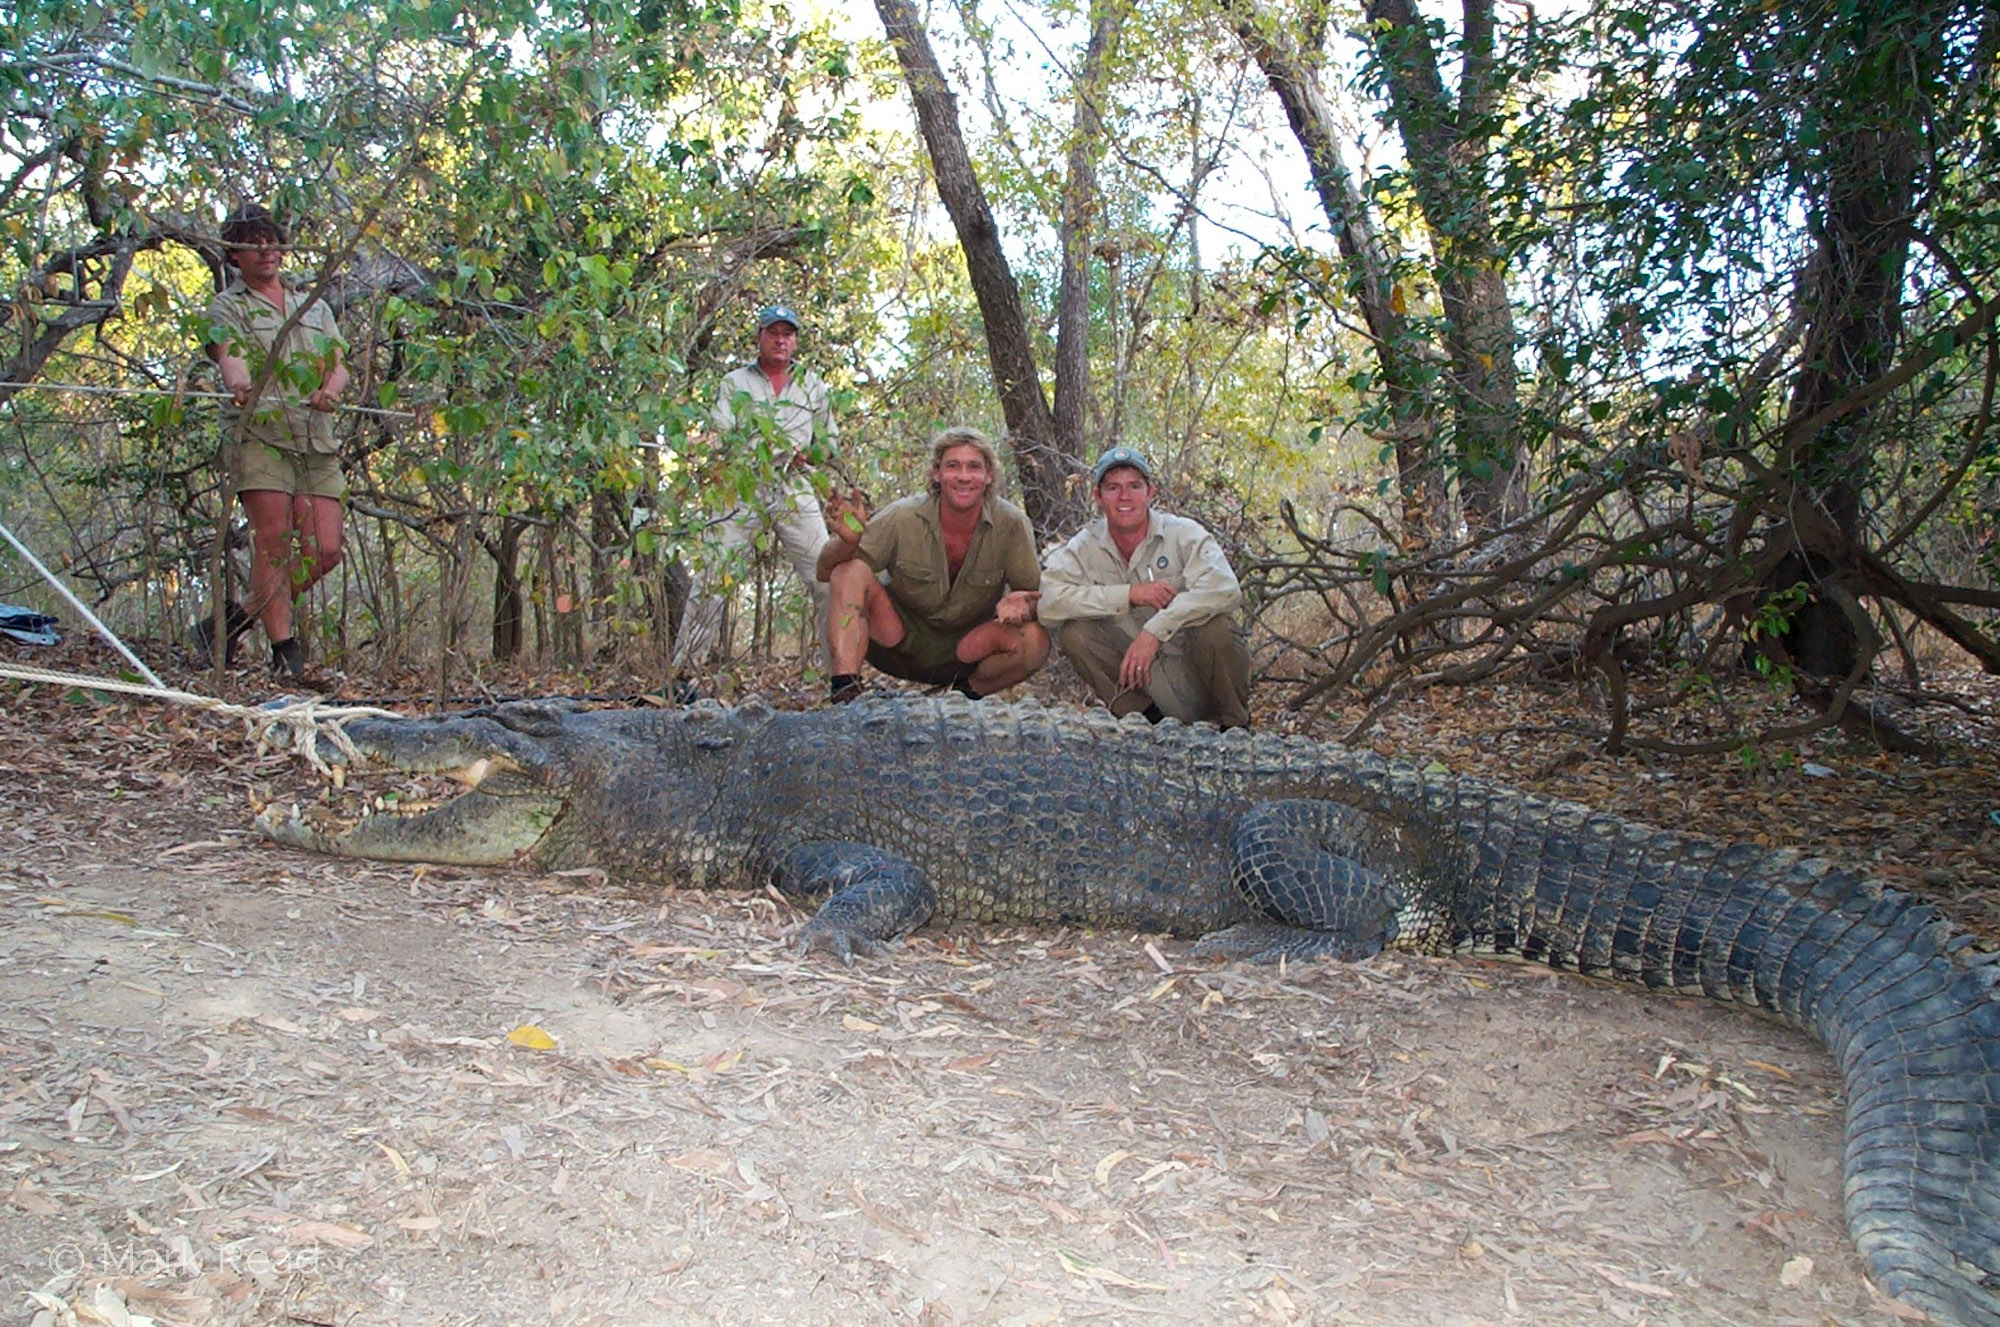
[[290, 723], [296, 724], [77, 604]]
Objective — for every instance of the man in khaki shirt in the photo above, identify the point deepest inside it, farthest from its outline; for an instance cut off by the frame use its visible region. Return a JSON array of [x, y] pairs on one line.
[[959, 605], [1145, 606], [772, 391], [279, 453]]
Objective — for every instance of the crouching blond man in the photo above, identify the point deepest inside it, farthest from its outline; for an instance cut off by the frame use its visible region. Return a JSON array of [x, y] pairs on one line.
[[939, 587]]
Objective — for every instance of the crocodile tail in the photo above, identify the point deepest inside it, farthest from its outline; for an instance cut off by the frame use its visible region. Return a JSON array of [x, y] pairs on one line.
[[1906, 1007], [1913, 1019]]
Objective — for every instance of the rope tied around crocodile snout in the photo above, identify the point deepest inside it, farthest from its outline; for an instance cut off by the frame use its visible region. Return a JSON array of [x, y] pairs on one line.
[[298, 723], [295, 724]]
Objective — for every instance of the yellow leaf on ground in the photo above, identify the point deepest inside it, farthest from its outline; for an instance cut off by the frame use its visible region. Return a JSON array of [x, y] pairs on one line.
[[533, 1038], [1110, 1163]]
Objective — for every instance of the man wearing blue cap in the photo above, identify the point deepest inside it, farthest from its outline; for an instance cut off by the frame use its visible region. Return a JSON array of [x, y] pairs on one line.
[[1145, 606], [790, 406]]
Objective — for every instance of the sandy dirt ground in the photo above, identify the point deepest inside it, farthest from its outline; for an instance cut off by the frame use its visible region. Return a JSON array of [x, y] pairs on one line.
[[240, 1084]]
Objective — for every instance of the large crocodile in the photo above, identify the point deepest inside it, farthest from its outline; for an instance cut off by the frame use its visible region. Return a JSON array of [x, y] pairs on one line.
[[904, 809]]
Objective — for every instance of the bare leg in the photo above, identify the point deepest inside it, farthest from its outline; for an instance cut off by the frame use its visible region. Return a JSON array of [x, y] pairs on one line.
[[859, 611], [273, 559], [318, 520], [1002, 655]]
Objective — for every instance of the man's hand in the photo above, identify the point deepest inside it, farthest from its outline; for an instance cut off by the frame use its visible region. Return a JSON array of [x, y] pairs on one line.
[[1017, 608], [1150, 594], [1135, 671], [323, 400], [847, 517]]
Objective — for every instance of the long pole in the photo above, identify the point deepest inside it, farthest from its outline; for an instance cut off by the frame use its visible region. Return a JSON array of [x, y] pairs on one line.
[[88, 389], [77, 604]]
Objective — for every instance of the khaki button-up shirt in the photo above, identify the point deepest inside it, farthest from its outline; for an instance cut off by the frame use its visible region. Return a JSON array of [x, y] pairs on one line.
[[906, 540], [1086, 577], [801, 411], [246, 326]]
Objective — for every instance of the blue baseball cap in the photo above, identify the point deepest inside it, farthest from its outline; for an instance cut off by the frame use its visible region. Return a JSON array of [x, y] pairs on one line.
[[1116, 457], [777, 313]]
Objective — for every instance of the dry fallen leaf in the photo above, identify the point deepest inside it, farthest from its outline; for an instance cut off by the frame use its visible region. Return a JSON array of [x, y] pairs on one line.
[[532, 1038], [1636, 1287], [28, 1197], [327, 1232], [1077, 1265], [1795, 1272]]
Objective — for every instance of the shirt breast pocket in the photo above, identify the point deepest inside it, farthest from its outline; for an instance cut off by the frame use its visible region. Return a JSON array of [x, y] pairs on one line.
[[918, 585], [980, 585]]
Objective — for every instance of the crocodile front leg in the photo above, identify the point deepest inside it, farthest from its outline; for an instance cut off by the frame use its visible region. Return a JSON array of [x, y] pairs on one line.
[[1315, 868], [871, 897]]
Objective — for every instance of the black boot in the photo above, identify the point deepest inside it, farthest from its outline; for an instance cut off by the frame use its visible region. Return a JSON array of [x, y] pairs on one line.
[[288, 658], [237, 623]]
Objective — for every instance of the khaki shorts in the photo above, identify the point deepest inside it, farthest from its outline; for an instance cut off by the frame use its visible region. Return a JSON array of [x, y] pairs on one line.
[[258, 465], [926, 654]]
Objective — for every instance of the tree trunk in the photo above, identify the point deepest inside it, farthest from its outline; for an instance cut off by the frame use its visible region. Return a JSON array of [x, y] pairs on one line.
[[1398, 351], [1852, 301], [507, 615], [1447, 149], [1079, 215], [610, 522], [1031, 426]]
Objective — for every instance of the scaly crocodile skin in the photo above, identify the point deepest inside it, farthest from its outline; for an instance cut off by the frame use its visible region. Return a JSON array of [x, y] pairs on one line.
[[905, 808]]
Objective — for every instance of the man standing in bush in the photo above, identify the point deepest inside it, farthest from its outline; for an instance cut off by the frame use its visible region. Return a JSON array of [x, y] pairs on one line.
[[1145, 607], [279, 455], [790, 407]]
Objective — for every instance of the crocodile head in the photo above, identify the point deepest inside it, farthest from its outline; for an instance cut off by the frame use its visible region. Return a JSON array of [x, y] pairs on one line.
[[510, 759]]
